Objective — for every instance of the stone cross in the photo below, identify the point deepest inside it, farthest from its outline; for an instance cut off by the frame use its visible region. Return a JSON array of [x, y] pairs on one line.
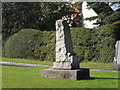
[[65, 58], [117, 55]]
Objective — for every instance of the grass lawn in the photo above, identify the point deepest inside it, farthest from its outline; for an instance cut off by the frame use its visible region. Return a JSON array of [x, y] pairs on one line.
[[29, 77], [91, 65]]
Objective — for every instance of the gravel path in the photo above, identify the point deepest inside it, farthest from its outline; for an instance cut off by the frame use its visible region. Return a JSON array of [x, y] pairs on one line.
[[42, 66]]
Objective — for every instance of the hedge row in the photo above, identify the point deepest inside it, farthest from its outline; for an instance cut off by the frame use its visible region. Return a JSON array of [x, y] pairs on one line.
[[31, 44], [96, 44], [90, 44]]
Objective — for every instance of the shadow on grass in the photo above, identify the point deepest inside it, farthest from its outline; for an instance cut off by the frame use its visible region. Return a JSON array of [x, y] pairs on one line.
[[92, 78]]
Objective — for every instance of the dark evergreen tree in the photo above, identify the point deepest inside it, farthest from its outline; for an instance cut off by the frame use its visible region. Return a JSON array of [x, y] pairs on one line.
[[106, 15]]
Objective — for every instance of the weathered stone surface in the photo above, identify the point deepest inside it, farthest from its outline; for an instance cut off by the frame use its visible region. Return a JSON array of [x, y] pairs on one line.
[[117, 55], [77, 74], [65, 58]]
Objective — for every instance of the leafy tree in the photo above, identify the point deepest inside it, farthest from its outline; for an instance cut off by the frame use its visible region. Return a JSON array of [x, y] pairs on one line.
[[42, 16], [112, 18], [105, 14]]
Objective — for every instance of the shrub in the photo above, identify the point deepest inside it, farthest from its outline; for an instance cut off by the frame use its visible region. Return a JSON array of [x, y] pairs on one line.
[[95, 44], [32, 44], [116, 26], [82, 43], [90, 44], [106, 44], [112, 18]]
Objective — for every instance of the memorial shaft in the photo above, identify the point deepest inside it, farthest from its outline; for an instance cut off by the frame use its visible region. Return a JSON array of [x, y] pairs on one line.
[[65, 58]]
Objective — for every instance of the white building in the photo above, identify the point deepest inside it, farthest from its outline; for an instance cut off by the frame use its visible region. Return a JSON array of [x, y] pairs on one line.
[[87, 13]]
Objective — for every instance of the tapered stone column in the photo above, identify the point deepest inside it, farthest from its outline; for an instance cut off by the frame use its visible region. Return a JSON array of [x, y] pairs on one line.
[[65, 58]]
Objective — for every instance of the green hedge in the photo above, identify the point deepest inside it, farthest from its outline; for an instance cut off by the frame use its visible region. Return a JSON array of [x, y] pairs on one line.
[[90, 44], [94, 44], [31, 44], [116, 25]]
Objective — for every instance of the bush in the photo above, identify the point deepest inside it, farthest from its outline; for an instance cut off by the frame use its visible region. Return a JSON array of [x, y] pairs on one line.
[[112, 18], [96, 44], [117, 30], [31, 44], [90, 44], [82, 42], [105, 47]]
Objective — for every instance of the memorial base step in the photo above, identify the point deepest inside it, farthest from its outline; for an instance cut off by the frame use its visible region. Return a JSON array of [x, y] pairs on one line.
[[78, 74]]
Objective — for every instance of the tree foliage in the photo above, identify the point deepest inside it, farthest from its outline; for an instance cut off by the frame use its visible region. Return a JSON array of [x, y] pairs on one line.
[[112, 18], [105, 13], [41, 16]]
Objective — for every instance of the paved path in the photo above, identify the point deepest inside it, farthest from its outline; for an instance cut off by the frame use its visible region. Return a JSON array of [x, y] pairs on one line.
[[42, 66], [23, 64]]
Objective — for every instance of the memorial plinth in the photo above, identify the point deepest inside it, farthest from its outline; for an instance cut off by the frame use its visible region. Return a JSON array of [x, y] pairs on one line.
[[77, 74], [67, 63]]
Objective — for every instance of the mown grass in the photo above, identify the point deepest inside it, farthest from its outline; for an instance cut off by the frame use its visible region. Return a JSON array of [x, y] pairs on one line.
[[97, 65], [29, 77], [91, 65]]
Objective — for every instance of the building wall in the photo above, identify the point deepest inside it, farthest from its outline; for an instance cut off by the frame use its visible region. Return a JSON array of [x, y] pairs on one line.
[[87, 13]]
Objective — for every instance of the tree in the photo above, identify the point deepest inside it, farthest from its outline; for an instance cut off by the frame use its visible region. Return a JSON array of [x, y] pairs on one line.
[[41, 16], [105, 14], [112, 18]]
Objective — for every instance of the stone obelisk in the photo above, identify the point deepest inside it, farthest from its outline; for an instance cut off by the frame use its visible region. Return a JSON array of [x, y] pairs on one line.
[[65, 58], [67, 63]]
